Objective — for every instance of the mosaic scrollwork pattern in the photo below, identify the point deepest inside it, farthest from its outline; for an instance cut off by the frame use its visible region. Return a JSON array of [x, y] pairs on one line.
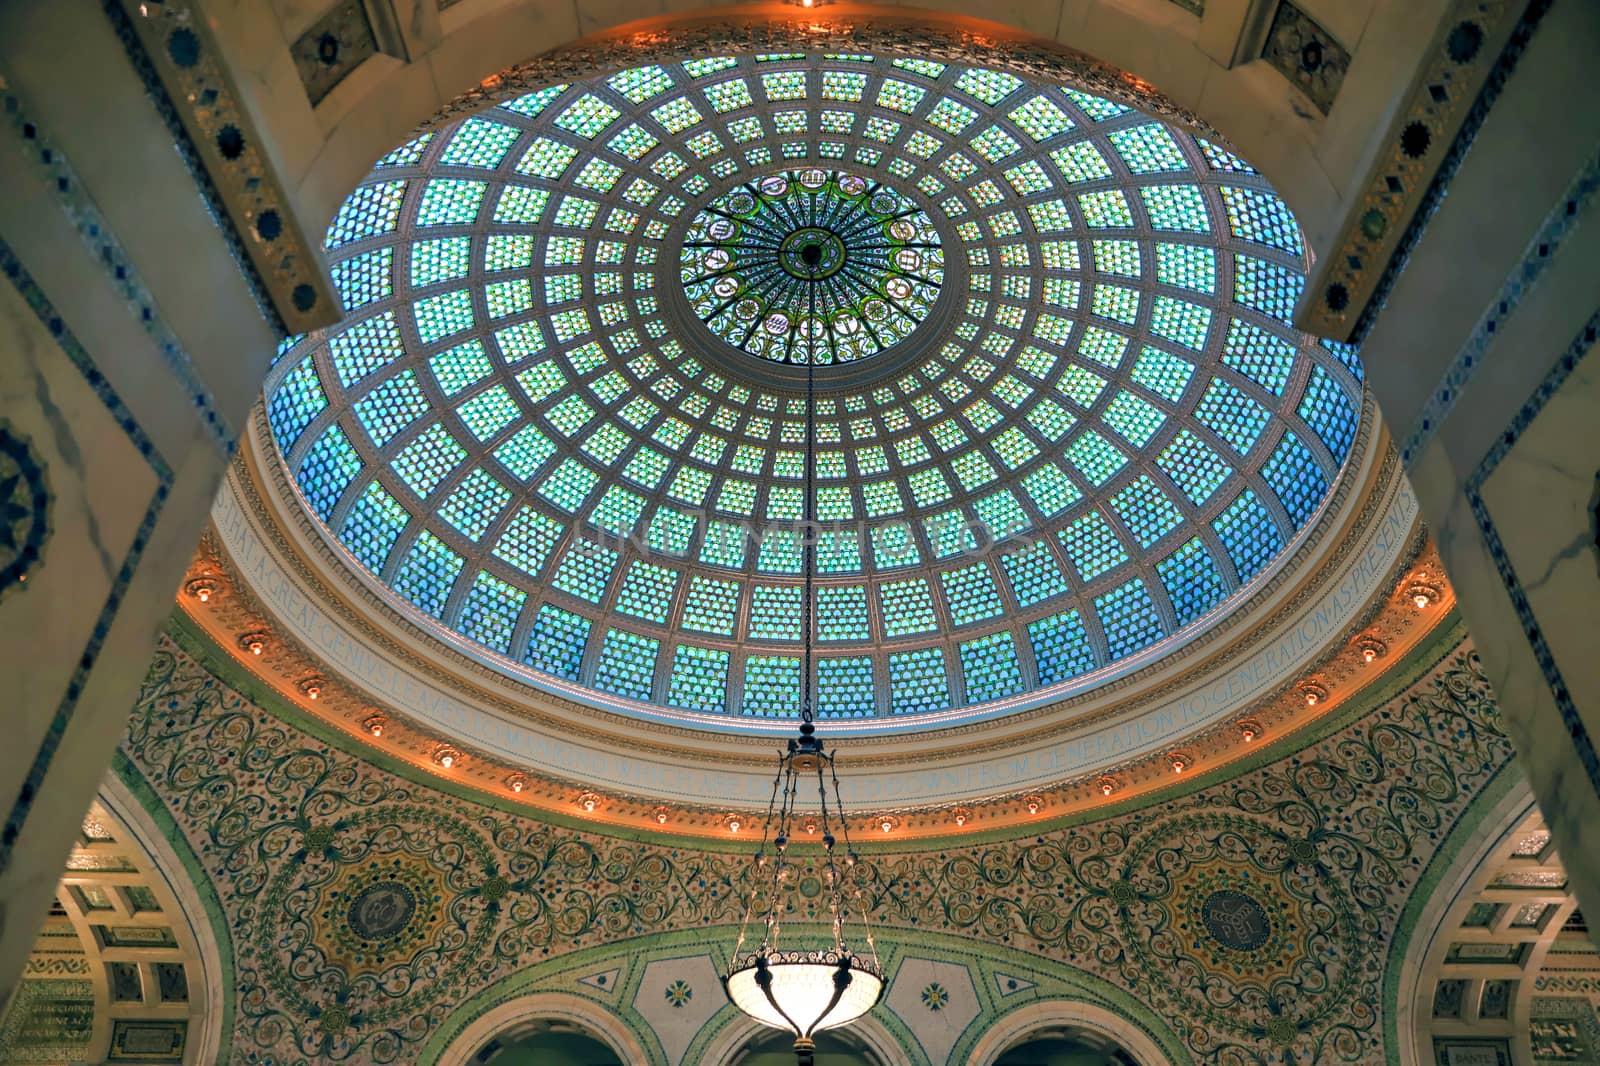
[[1254, 914]]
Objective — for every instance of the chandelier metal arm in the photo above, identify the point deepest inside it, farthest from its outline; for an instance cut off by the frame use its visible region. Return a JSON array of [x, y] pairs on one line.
[[788, 984], [764, 982]]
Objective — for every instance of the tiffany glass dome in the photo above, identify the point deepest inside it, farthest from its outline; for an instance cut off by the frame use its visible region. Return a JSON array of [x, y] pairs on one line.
[[1063, 422], [812, 266]]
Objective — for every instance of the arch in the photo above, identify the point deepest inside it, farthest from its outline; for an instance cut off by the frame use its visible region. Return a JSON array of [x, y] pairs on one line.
[[180, 882], [1497, 863], [1171, 62], [505, 1017], [132, 960], [1009, 1029], [873, 1037]]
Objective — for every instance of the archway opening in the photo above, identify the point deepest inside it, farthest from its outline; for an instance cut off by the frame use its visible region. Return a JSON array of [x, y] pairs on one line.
[[548, 1045], [777, 1050], [1072, 1047]]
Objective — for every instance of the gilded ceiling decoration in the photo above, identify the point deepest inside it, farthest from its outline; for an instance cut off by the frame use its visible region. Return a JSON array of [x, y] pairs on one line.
[[115, 973], [1253, 914], [227, 610]]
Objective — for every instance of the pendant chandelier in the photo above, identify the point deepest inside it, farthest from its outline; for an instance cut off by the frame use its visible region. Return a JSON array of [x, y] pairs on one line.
[[804, 990]]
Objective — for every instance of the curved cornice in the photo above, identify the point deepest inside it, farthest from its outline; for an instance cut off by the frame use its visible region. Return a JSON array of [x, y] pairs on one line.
[[272, 573]]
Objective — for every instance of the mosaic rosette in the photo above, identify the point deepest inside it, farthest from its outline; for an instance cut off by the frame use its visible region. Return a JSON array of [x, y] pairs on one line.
[[1329, 843], [812, 266], [1241, 926], [387, 909]]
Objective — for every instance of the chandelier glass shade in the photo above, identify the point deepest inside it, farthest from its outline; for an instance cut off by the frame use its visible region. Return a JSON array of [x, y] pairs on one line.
[[806, 990]]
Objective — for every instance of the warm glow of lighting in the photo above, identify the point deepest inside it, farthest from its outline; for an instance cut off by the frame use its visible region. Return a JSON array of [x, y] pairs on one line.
[[806, 983], [1368, 654], [1107, 786], [1177, 766], [661, 817], [1311, 699], [886, 825], [255, 647], [733, 826], [516, 782], [1248, 732], [588, 804], [447, 761], [1033, 806], [1421, 600]]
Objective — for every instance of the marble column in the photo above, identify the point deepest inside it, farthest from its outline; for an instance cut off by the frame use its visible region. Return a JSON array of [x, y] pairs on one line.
[[1482, 360], [133, 339]]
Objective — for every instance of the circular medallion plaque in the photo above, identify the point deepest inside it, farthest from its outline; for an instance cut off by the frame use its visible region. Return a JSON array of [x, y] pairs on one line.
[[382, 910], [812, 266], [1236, 920]]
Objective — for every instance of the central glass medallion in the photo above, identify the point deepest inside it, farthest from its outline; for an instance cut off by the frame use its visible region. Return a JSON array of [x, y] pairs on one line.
[[812, 265]]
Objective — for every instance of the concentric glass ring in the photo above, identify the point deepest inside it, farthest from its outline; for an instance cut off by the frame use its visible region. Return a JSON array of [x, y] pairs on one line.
[[1104, 437], [812, 266]]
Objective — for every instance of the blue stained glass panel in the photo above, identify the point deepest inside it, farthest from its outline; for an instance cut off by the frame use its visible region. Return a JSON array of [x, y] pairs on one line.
[[989, 667], [327, 470], [1129, 619], [556, 642], [1060, 647], [1192, 580]]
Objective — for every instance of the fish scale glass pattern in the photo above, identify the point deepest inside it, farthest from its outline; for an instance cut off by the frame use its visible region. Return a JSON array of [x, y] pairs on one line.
[[699, 679], [627, 664], [1093, 428]]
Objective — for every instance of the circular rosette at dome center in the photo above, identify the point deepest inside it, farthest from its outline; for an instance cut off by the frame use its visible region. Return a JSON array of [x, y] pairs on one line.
[[813, 266]]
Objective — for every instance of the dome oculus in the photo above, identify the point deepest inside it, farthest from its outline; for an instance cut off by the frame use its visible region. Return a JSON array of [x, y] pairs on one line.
[[812, 266], [1104, 435]]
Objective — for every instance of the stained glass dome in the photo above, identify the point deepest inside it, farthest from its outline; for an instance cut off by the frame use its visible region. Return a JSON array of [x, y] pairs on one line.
[[812, 266], [1064, 423]]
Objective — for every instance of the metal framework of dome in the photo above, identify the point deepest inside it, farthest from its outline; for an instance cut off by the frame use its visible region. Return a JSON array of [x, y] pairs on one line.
[[1085, 432]]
